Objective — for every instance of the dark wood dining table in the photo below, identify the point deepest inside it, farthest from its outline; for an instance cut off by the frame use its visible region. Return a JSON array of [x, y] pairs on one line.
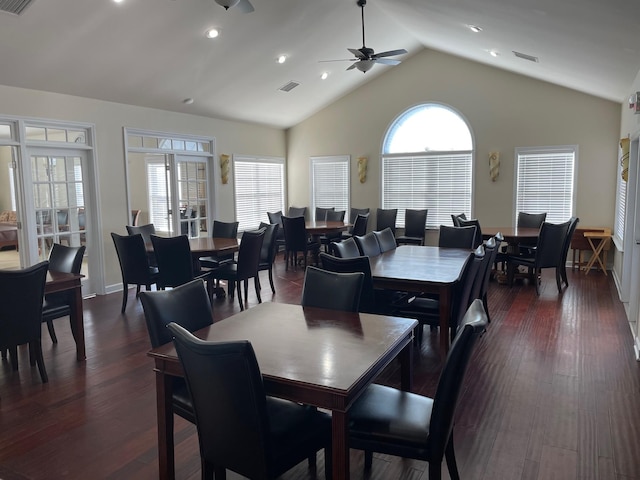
[[414, 268], [324, 358], [208, 246], [71, 282], [321, 227], [512, 235]]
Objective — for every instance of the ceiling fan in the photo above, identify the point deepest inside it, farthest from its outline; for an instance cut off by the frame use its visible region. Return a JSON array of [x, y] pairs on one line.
[[365, 56], [243, 5]]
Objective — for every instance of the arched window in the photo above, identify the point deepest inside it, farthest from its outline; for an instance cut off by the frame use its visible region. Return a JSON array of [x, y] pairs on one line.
[[426, 163]]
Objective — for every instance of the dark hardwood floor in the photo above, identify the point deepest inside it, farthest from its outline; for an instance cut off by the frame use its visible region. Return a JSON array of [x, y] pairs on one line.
[[553, 392]]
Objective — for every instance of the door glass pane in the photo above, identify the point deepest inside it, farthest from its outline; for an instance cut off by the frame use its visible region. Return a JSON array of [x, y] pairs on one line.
[[192, 194]]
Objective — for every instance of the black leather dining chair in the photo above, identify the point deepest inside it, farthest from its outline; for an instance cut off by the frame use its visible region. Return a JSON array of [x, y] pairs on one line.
[[240, 428], [477, 240], [481, 284], [359, 218], [268, 251], [457, 237], [347, 248], [176, 265], [297, 211], [245, 268], [386, 240], [386, 217], [415, 224], [368, 245], [145, 230], [573, 223], [529, 220], [187, 305], [321, 213], [327, 238], [56, 305], [220, 230], [455, 219], [297, 241], [332, 290], [394, 422], [276, 217], [355, 264], [547, 254], [21, 297], [134, 264]]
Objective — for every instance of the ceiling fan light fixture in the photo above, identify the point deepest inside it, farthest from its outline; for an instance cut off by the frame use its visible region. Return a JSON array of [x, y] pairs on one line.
[[212, 33], [281, 59], [227, 4], [324, 75], [365, 65], [474, 28]]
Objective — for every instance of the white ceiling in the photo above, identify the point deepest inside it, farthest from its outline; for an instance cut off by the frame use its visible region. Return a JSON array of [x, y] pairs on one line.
[[154, 53]]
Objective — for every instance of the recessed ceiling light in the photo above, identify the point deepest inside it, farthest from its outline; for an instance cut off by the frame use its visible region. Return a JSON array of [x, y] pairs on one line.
[[494, 53], [324, 75], [212, 33], [118, 1], [187, 101], [474, 28], [282, 59]]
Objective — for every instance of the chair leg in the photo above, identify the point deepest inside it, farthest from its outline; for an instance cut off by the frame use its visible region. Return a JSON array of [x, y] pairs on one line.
[[328, 464], [37, 349], [256, 280], [273, 288], [559, 279], [125, 294], [32, 354], [239, 288], [52, 331], [246, 291], [4, 353], [486, 307], [450, 456], [138, 290], [311, 460], [13, 356], [368, 460], [435, 471]]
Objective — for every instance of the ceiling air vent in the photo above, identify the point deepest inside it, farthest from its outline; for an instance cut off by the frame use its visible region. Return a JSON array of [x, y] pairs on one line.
[[524, 56], [287, 87], [14, 6]]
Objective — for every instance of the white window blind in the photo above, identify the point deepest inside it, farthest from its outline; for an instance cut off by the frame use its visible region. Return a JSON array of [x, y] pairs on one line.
[[259, 188], [621, 203], [545, 181], [330, 183], [158, 195], [439, 182]]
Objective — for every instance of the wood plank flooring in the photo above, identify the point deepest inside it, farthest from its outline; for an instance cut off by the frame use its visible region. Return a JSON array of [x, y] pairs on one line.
[[553, 392]]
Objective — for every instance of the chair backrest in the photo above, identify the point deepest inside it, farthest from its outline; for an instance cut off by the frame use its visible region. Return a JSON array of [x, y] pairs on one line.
[[457, 237], [224, 229], [386, 240], [368, 244], [276, 217], [145, 230], [297, 211], [175, 263], [354, 212], [463, 292], [551, 241], [348, 248], [573, 223], [132, 255], [135, 217], [21, 296], [249, 253], [386, 218], [295, 233], [415, 222], [447, 394], [455, 218], [268, 250], [229, 402], [484, 272], [321, 213], [66, 259], [187, 305], [335, 215], [530, 220], [335, 291], [477, 241], [63, 217], [360, 224], [350, 265]]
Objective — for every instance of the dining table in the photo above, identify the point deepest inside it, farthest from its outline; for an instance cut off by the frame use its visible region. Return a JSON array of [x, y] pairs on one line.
[[72, 283], [513, 236], [321, 227], [324, 358], [416, 268]]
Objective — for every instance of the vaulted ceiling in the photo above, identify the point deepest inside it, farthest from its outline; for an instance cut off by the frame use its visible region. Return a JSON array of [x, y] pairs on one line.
[[154, 53]]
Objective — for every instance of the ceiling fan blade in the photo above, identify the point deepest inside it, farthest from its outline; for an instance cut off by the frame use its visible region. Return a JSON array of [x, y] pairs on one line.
[[390, 53], [351, 67], [357, 53], [339, 60], [245, 6], [387, 61]]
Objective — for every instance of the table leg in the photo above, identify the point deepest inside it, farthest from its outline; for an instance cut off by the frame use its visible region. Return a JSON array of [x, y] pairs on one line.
[[340, 445], [164, 385], [406, 367], [445, 313], [596, 256], [76, 319]]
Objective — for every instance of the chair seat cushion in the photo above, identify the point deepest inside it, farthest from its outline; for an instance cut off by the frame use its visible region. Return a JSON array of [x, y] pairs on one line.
[[388, 415], [410, 240], [182, 400], [52, 309]]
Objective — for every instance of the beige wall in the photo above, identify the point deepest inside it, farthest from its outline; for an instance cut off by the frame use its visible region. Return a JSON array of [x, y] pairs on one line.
[[504, 111], [109, 119]]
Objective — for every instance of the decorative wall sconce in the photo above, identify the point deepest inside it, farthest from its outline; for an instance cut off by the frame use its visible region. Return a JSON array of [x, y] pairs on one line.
[[362, 169], [634, 102], [224, 168], [624, 158], [494, 165]]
